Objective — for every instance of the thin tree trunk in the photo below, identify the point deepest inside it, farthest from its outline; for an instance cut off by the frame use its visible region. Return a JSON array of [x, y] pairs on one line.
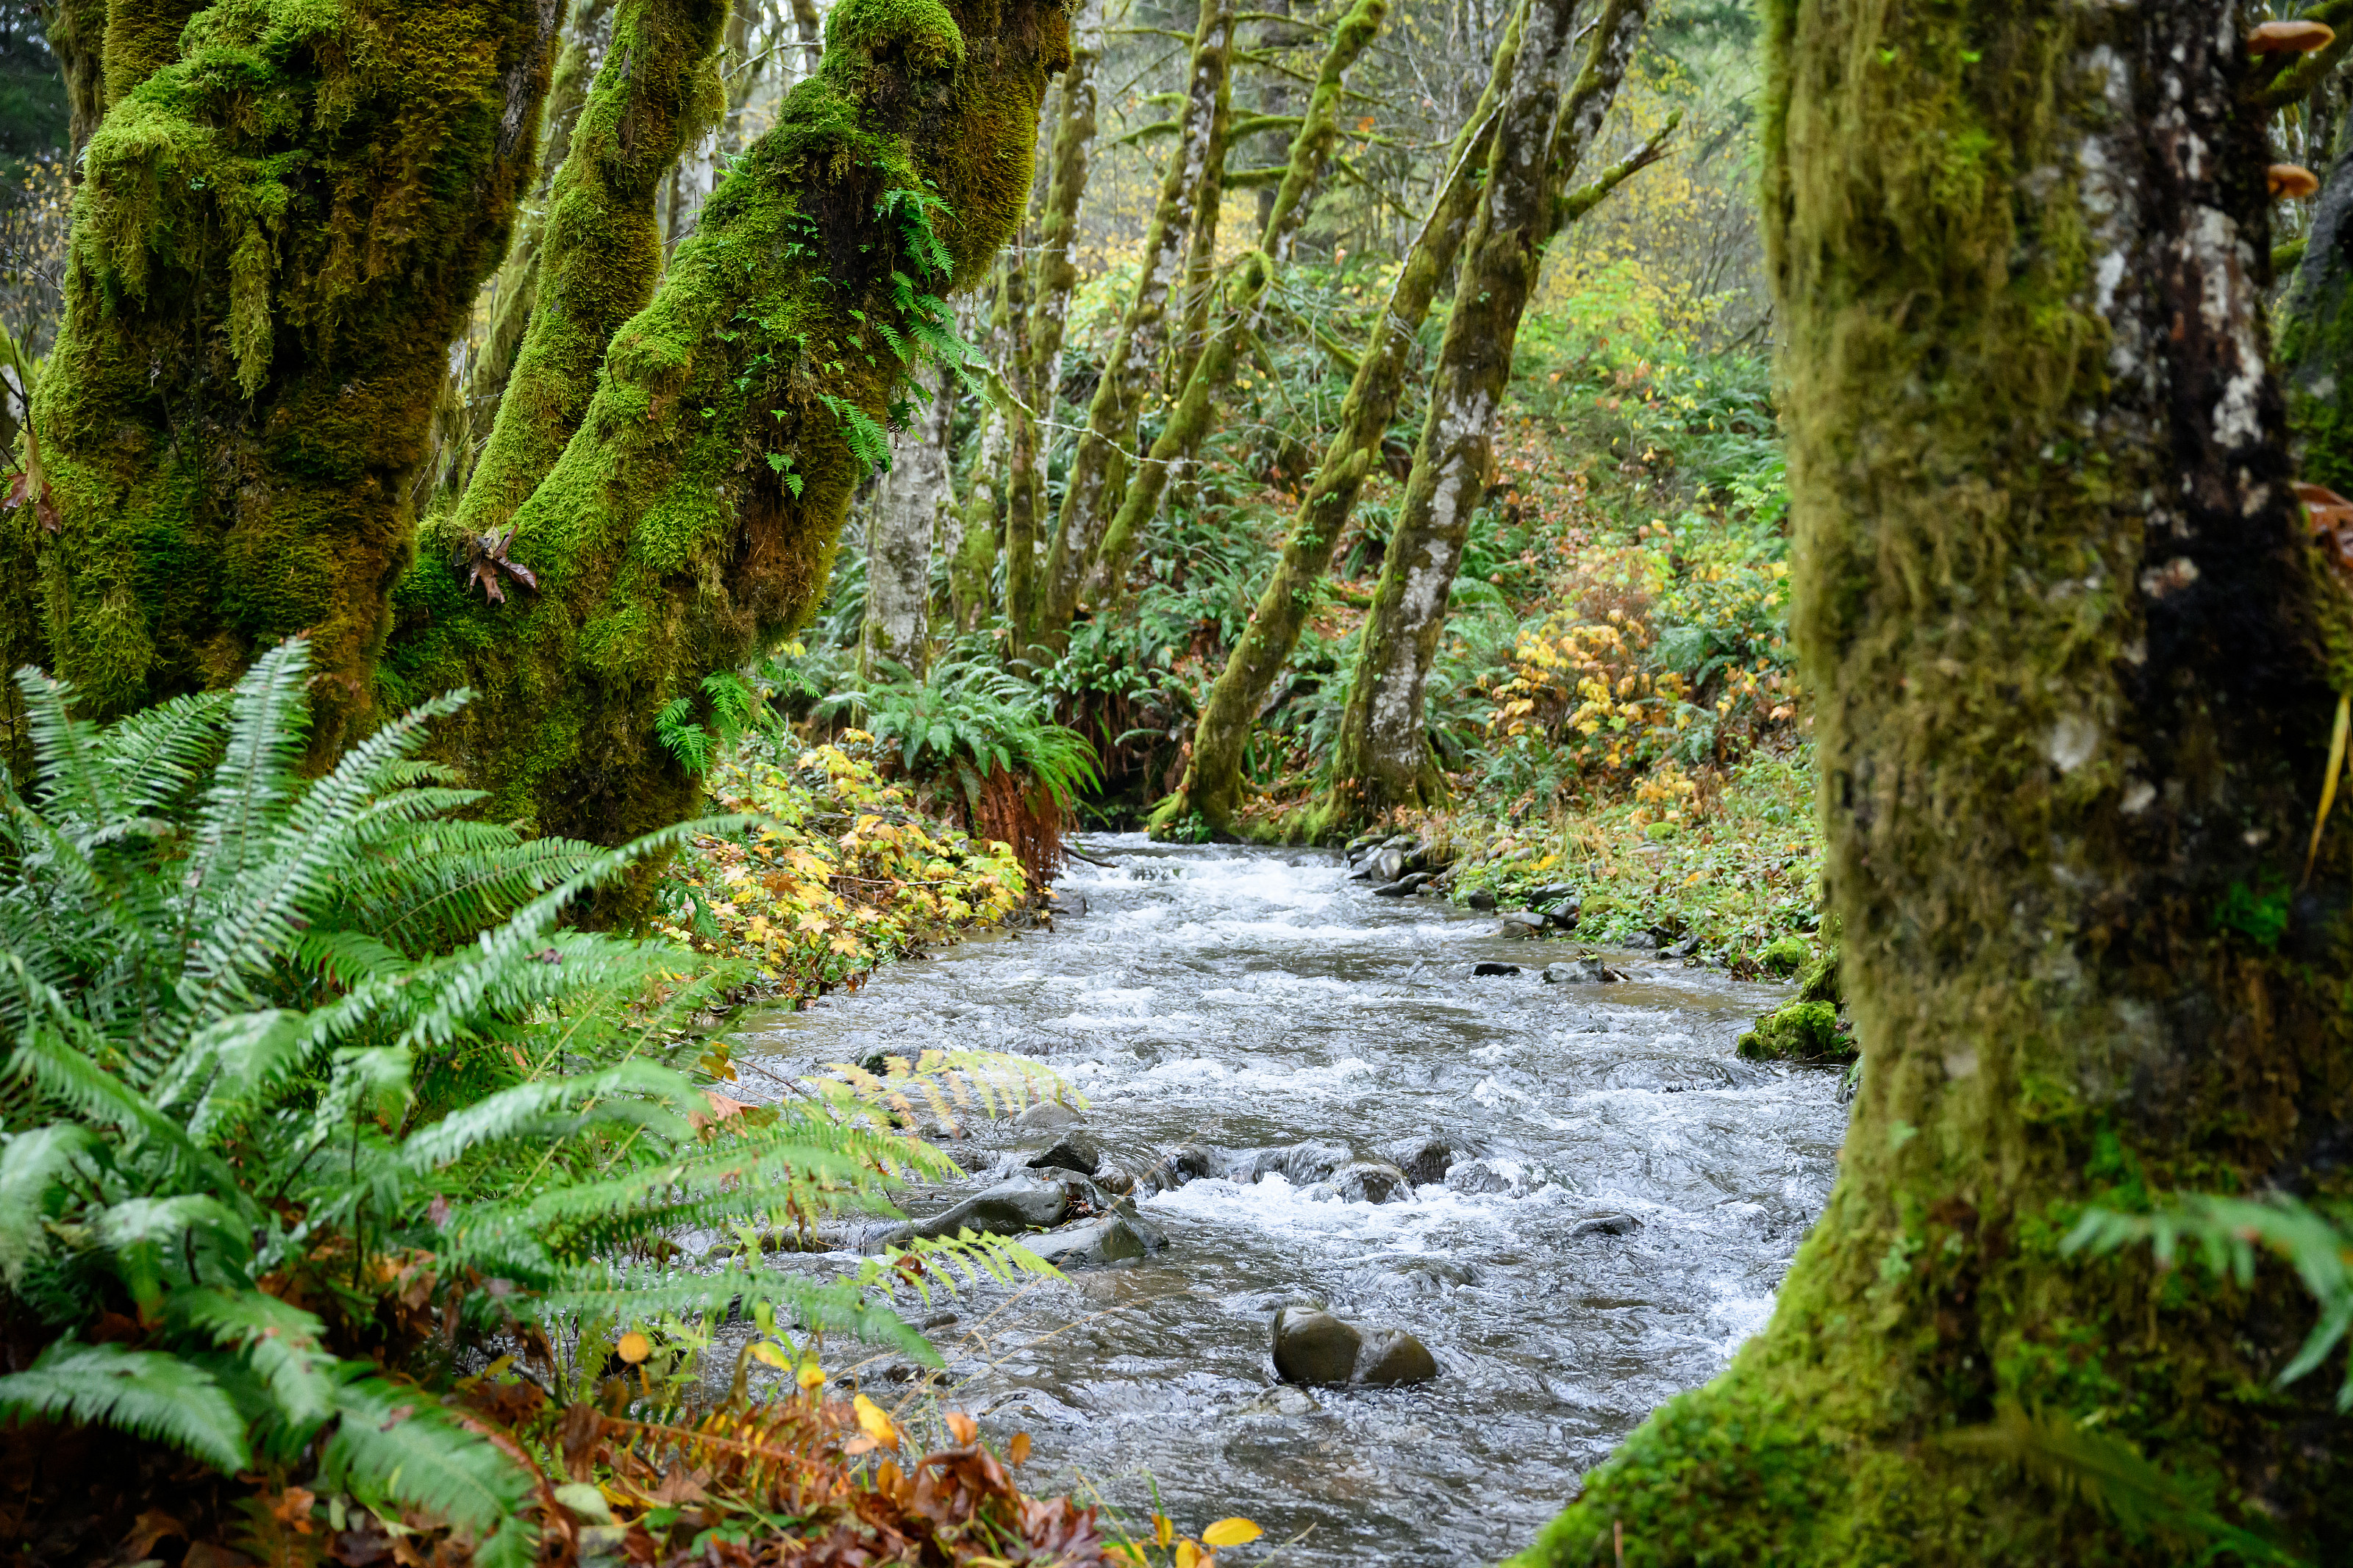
[[1024, 472], [1381, 759], [2072, 660], [1192, 300], [242, 385], [909, 504], [693, 520], [602, 255], [1099, 464], [974, 562], [2316, 333], [1213, 780], [1195, 413]]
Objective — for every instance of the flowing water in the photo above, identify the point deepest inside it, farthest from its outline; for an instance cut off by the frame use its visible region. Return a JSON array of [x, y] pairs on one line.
[[1248, 998]]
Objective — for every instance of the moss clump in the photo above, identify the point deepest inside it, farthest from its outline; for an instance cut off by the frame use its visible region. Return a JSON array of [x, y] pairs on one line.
[[278, 232], [691, 520], [1785, 954], [1801, 1032]]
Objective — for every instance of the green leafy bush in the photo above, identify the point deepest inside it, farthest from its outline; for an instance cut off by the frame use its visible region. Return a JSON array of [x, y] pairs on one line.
[[307, 1090], [966, 720]]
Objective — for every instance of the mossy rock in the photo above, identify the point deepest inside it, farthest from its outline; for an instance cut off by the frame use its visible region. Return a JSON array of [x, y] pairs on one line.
[[1785, 954], [1801, 1032]]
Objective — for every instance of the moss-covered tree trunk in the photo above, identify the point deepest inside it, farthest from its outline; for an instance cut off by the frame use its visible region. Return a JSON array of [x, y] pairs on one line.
[[1381, 759], [1212, 786], [980, 525], [76, 31], [1099, 461], [2072, 660], [2316, 333], [657, 87], [910, 505], [692, 518], [277, 234], [470, 398], [1194, 414]]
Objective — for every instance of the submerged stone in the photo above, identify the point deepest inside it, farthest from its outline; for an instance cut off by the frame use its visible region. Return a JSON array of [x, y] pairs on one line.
[[1315, 1348]]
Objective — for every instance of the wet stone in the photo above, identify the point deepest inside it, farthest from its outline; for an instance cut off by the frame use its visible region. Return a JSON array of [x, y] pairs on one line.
[[1423, 1160], [1480, 898], [1388, 865], [1049, 1115], [1114, 1238], [1370, 1182], [1482, 1176], [1490, 967], [1521, 922], [1073, 1151], [1320, 1350], [1585, 970], [1008, 1208], [1605, 1224]]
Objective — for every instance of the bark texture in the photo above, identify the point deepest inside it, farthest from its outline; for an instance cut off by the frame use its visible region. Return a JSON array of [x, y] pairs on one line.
[[1099, 461], [1212, 788], [602, 254], [276, 236], [1193, 415], [910, 505], [2316, 333], [693, 517], [2072, 658], [1381, 759]]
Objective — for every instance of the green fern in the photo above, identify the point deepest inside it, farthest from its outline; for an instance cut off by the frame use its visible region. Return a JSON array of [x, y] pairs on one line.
[[967, 718], [317, 1032]]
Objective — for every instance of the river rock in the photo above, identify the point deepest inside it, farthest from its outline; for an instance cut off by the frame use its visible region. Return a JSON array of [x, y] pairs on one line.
[[1008, 1208], [1048, 1115], [1563, 915], [1479, 1176], [1683, 949], [1552, 892], [1490, 966], [1480, 898], [1605, 1224], [1073, 1151], [1521, 922], [1388, 865], [1643, 941], [1370, 1182], [1114, 1238], [1316, 1348], [1587, 970], [1423, 1160], [1301, 1165], [1185, 1163]]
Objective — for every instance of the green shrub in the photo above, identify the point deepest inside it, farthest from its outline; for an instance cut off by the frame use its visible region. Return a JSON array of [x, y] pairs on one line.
[[307, 1091]]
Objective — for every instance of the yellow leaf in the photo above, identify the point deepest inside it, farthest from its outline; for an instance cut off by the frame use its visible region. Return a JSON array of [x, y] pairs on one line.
[[1164, 1530], [811, 1376], [874, 1422], [768, 1354], [634, 1347], [1018, 1450], [1187, 1554], [1232, 1531]]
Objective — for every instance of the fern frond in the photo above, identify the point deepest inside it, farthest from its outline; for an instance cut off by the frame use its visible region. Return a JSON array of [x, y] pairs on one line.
[[398, 1445], [154, 757], [32, 1163], [149, 1394], [278, 1340]]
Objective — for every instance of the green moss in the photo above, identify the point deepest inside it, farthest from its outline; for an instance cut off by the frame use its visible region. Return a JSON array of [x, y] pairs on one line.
[[1785, 954], [692, 521], [277, 234], [1801, 1032]]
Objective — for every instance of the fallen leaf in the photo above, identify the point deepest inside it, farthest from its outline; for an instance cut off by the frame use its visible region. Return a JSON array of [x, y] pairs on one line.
[[634, 1347], [1235, 1532], [874, 1422]]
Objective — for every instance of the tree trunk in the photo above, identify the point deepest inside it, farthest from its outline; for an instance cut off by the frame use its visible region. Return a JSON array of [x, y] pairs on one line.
[[906, 515], [602, 255], [974, 562], [692, 521], [2315, 334], [2072, 658], [1213, 780], [1194, 413], [76, 30], [1098, 463], [1382, 760], [257, 310], [470, 398]]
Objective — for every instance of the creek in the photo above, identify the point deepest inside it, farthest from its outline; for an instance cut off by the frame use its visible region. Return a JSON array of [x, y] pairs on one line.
[[1246, 998]]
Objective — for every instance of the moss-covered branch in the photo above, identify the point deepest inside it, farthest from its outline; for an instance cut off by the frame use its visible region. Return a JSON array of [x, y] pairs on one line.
[[693, 517], [277, 236], [602, 252]]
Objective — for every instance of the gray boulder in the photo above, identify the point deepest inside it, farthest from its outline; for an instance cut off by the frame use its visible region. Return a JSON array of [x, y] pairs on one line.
[[1008, 1208], [1422, 1160], [1114, 1238], [1481, 1176], [1411, 882], [1073, 1151], [1185, 1163], [1605, 1224], [1584, 971], [1301, 1165], [1521, 922], [1388, 865], [1480, 898], [1370, 1182], [1487, 967], [1316, 1348], [1050, 1115]]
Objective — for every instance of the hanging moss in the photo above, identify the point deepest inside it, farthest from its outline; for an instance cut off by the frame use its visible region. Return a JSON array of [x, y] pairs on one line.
[[601, 254], [2070, 670], [693, 520], [76, 31], [275, 238]]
